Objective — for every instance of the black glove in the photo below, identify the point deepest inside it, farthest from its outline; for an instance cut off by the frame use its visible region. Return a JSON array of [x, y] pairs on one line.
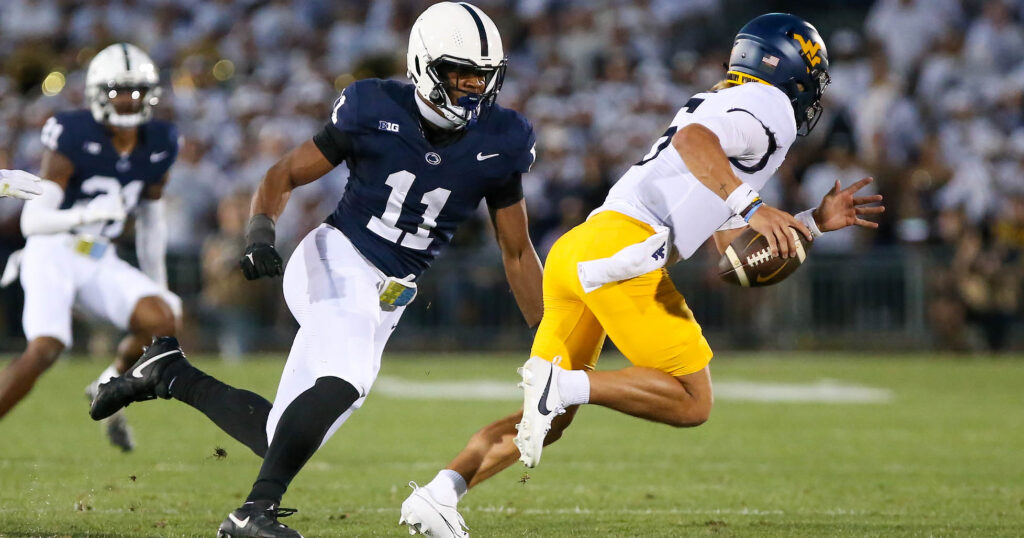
[[261, 259]]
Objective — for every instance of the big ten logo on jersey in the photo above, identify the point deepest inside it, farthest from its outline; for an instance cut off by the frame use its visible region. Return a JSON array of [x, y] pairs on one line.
[[388, 126]]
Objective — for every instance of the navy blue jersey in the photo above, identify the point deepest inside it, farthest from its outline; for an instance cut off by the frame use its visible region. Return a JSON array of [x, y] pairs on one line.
[[405, 196], [100, 169]]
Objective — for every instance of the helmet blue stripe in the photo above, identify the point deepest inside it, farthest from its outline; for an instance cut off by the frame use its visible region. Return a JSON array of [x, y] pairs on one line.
[[479, 28], [127, 63]]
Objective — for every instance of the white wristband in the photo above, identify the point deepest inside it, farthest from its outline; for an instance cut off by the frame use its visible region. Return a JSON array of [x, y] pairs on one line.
[[807, 217], [740, 198]]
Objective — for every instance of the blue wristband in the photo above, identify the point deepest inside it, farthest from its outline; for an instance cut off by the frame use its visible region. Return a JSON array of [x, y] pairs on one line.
[[753, 209]]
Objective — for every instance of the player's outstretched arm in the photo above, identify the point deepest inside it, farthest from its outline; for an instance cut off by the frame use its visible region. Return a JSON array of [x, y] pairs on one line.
[[151, 233], [19, 184], [43, 216], [522, 265], [840, 208], [300, 166]]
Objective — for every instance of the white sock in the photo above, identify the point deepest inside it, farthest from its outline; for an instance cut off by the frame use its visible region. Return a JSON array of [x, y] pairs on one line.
[[107, 374], [574, 387], [448, 487]]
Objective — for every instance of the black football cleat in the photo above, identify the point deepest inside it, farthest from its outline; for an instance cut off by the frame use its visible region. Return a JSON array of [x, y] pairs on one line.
[[257, 519], [116, 426], [142, 382]]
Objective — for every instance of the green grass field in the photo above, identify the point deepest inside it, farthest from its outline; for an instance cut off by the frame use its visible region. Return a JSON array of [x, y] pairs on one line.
[[937, 449]]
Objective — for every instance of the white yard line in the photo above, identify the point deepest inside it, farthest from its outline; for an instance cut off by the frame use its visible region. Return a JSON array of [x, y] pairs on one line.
[[821, 391]]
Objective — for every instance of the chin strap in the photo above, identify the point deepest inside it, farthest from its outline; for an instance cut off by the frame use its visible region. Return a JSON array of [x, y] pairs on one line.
[[434, 117]]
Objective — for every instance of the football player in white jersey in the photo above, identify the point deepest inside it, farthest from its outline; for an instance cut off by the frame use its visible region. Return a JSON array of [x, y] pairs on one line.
[[19, 184], [607, 276], [99, 166]]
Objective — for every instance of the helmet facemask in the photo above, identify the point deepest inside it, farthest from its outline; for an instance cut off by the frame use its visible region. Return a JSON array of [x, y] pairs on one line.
[[447, 73], [806, 97], [123, 104]]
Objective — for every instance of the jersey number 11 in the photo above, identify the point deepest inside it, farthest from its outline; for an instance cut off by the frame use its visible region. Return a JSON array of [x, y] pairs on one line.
[[386, 225]]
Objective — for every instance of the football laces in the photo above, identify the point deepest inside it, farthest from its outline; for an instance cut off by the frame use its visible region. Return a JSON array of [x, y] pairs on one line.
[[758, 257]]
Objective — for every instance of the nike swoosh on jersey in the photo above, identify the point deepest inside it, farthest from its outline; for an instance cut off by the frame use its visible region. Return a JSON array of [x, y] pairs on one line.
[[137, 372], [542, 405], [481, 157], [157, 157], [239, 522]]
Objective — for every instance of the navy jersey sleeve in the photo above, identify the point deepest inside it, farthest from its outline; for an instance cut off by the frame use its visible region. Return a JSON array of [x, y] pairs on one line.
[[528, 151], [337, 139], [333, 143], [169, 142], [56, 135], [509, 190]]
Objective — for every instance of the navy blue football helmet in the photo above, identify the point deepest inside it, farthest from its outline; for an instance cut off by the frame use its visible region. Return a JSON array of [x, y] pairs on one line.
[[785, 51]]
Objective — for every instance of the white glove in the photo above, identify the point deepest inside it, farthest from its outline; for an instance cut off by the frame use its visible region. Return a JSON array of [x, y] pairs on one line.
[[19, 184], [105, 207], [632, 261]]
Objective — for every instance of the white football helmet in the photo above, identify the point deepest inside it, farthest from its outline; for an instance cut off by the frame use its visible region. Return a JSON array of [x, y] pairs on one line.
[[456, 38], [122, 67]]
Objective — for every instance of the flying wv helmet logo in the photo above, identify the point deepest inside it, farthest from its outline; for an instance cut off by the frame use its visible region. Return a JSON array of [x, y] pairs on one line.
[[809, 49]]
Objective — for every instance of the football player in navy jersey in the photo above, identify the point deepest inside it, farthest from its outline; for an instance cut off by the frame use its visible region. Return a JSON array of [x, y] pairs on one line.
[[422, 157], [99, 165]]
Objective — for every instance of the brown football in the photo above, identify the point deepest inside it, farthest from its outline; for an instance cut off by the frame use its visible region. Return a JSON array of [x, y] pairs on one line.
[[748, 261]]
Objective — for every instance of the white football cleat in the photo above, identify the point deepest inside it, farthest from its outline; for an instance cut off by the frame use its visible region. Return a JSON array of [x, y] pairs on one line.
[[425, 515], [541, 404]]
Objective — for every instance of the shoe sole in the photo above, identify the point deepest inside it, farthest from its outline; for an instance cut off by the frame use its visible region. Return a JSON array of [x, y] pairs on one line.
[[529, 451]]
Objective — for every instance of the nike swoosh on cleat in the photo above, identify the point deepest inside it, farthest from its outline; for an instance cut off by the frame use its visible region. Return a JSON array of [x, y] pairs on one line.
[[249, 255], [137, 372], [542, 405], [240, 522]]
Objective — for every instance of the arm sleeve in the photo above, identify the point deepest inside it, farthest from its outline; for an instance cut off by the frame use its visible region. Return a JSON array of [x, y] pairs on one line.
[[334, 144], [42, 215], [151, 240], [508, 192], [740, 133], [734, 222]]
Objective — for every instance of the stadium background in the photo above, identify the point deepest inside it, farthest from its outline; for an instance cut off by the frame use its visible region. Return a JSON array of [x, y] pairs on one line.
[[926, 97]]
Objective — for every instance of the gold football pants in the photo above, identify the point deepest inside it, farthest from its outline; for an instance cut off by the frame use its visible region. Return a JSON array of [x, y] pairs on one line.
[[646, 317]]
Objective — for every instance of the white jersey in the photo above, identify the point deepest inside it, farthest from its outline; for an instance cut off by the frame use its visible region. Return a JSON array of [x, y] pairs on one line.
[[756, 126]]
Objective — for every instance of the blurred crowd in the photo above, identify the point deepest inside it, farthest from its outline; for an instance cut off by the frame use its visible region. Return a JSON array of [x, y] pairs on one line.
[[926, 96]]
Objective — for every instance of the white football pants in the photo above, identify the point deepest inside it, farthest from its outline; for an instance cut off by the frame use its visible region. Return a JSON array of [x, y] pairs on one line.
[[332, 292], [56, 279]]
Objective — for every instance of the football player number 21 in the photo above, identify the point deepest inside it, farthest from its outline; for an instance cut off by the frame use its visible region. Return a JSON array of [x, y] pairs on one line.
[[386, 224]]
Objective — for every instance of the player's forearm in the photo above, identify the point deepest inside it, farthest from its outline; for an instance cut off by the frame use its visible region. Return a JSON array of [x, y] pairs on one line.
[[702, 152], [273, 193], [151, 240], [525, 276], [42, 216]]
